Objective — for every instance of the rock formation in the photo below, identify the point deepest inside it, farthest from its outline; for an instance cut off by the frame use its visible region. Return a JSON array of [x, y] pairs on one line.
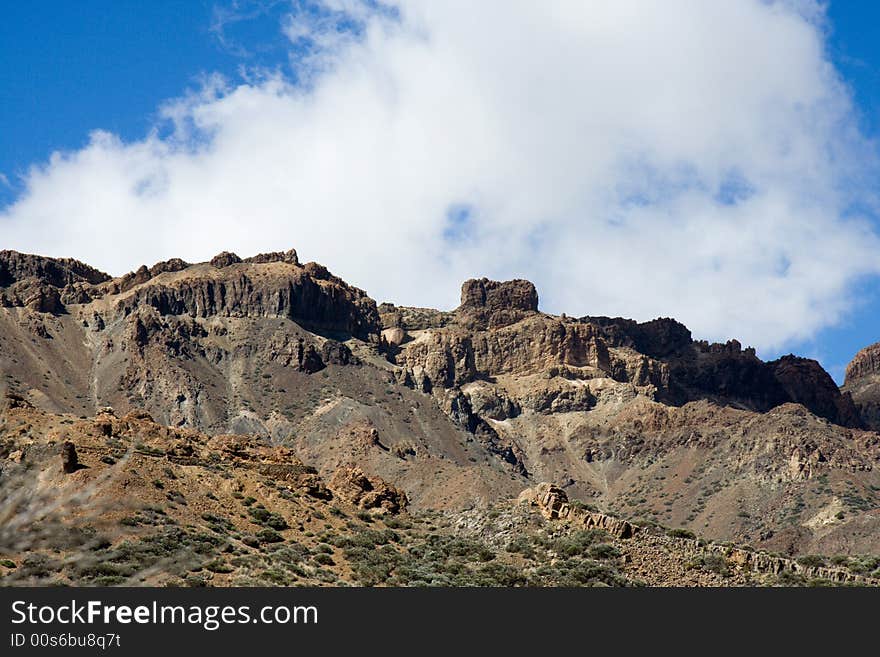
[[458, 408], [69, 458], [553, 504], [371, 493], [863, 384]]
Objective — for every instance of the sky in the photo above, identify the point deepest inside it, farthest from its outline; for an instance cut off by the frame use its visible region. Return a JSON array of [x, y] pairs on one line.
[[712, 161]]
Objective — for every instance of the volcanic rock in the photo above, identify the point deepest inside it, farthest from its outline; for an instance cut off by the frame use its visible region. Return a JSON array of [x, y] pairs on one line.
[[862, 382], [69, 458], [372, 493], [491, 304]]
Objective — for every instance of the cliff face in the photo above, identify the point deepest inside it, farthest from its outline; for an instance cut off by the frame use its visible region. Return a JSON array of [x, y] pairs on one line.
[[489, 304], [308, 295], [498, 331], [805, 382], [44, 284], [863, 384], [267, 285], [57, 272]]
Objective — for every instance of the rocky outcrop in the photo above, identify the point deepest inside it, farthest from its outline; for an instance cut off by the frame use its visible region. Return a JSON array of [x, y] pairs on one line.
[[142, 275], [805, 382], [13, 400], [69, 458], [658, 338], [289, 256], [394, 336], [538, 343], [439, 360], [453, 357], [864, 364], [309, 296], [489, 304], [413, 319], [44, 285], [552, 502], [224, 259], [33, 294], [308, 358], [862, 383], [369, 493], [56, 272]]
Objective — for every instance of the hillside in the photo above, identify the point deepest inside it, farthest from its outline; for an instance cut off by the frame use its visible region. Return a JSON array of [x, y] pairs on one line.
[[238, 364]]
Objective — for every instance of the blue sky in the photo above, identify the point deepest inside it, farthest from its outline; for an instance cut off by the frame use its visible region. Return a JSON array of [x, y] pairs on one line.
[[67, 69], [71, 67], [855, 49]]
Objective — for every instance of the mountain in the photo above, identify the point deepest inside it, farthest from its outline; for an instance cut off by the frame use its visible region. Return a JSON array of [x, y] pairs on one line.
[[862, 383], [458, 411]]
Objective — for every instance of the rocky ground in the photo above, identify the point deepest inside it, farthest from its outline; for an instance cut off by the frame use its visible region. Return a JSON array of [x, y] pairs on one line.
[[123, 500]]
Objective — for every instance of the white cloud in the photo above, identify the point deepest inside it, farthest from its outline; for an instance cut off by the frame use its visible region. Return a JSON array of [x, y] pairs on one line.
[[692, 159]]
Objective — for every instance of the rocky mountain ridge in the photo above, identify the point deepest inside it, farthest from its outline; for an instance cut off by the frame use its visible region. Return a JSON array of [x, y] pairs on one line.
[[458, 409]]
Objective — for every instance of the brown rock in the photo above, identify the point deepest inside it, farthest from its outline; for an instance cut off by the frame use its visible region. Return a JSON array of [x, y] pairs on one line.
[[69, 458], [14, 400], [490, 304], [289, 257], [553, 504], [225, 259], [56, 272], [372, 493], [863, 384], [394, 336], [805, 382], [326, 303], [309, 359]]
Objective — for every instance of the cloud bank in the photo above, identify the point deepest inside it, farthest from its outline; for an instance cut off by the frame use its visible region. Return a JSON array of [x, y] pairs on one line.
[[686, 158]]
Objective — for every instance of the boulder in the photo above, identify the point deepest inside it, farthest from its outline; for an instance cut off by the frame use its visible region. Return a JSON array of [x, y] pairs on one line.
[[69, 458], [352, 485], [394, 336], [225, 259]]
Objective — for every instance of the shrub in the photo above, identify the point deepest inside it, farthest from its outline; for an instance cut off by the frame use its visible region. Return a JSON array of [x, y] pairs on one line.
[[269, 535], [681, 533], [267, 518], [250, 541], [811, 561], [711, 563], [219, 566], [583, 506], [521, 545], [577, 542], [323, 559], [603, 551], [789, 578]]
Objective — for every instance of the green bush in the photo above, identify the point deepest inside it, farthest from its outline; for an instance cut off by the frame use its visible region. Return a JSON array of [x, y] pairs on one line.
[[681, 533], [711, 563], [812, 561], [267, 518], [603, 551], [269, 535]]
